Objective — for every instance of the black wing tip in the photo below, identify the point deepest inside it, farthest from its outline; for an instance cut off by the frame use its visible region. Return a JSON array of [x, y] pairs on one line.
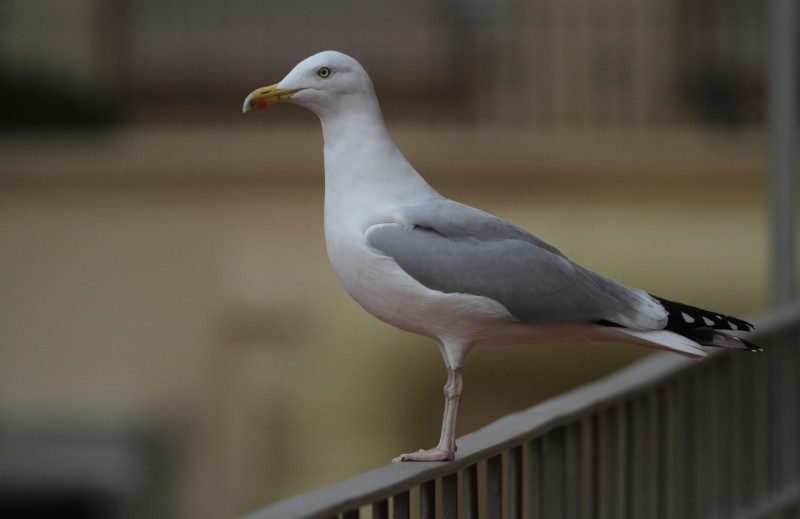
[[718, 339], [752, 347], [681, 317]]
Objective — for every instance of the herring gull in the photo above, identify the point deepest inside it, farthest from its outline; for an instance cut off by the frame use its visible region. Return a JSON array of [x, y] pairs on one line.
[[465, 278]]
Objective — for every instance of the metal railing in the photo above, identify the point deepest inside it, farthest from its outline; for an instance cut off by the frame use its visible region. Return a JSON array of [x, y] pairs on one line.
[[665, 437]]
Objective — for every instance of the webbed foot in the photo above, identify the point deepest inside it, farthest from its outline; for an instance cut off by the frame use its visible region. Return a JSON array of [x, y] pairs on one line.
[[435, 454]]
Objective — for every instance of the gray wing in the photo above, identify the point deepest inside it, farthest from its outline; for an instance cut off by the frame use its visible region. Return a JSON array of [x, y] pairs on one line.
[[458, 221], [455, 248]]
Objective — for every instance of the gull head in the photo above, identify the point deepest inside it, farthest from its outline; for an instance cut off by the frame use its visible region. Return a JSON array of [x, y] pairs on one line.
[[323, 83]]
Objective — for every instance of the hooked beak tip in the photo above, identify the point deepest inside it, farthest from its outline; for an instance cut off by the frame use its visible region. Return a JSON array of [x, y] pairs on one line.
[[251, 103], [266, 97]]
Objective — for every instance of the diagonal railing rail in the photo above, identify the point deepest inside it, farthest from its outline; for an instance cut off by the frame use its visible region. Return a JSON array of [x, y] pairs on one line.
[[665, 437]]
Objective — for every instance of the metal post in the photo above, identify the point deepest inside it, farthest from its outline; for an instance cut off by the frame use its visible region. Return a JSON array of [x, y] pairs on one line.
[[782, 79]]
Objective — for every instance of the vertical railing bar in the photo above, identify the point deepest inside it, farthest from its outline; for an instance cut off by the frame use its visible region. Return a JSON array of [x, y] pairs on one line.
[[786, 399], [587, 469], [790, 350], [469, 489], [771, 422], [640, 479], [760, 478], [401, 505], [427, 500], [554, 491], [752, 447], [712, 413], [437, 496], [741, 394], [672, 450], [793, 351], [524, 479], [621, 473], [684, 431], [494, 490], [735, 382], [606, 459], [351, 514], [514, 480], [380, 509], [571, 471], [725, 382], [450, 496], [722, 429], [504, 484], [700, 467], [656, 451], [776, 418], [787, 405], [534, 490]]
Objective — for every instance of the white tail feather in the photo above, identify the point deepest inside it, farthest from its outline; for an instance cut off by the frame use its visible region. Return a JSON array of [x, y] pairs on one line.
[[665, 340], [723, 340]]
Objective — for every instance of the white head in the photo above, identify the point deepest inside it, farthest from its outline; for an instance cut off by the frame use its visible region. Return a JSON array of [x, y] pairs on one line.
[[324, 83]]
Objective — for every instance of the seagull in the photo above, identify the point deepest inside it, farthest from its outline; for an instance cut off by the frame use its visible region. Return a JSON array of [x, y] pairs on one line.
[[458, 275]]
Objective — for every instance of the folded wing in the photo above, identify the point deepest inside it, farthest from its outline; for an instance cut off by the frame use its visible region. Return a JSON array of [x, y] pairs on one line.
[[454, 248]]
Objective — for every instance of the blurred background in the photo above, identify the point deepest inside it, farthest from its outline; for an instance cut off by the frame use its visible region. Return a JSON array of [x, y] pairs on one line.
[[174, 342]]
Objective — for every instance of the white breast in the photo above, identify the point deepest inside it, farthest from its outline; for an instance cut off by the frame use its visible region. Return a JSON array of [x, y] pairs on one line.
[[385, 290]]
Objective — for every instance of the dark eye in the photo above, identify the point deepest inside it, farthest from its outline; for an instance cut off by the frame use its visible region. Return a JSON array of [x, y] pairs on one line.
[[324, 72]]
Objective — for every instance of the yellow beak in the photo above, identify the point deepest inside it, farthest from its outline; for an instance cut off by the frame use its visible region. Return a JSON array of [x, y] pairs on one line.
[[265, 97]]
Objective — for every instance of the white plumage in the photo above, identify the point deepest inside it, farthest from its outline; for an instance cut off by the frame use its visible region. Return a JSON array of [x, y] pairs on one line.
[[460, 276]]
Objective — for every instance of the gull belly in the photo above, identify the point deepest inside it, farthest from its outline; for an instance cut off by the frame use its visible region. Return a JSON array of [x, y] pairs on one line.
[[385, 290]]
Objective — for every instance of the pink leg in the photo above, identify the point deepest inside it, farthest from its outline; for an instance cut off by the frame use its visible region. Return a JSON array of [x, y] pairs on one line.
[[446, 449]]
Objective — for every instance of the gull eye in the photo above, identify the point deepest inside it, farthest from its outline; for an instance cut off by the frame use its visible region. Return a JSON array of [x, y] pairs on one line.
[[324, 72]]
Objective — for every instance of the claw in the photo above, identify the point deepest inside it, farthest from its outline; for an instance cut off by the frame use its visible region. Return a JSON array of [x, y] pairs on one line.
[[435, 454]]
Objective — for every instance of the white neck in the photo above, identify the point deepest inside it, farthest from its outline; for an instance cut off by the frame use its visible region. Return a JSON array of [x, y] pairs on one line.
[[362, 164]]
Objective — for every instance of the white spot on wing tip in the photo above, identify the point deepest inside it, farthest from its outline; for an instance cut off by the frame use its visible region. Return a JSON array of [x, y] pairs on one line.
[[733, 326], [708, 321], [686, 317]]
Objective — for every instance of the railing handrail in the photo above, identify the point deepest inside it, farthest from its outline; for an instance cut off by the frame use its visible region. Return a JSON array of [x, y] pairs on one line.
[[502, 434]]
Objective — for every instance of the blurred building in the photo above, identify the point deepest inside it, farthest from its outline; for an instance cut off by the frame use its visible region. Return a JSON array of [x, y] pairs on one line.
[[547, 62], [174, 343]]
